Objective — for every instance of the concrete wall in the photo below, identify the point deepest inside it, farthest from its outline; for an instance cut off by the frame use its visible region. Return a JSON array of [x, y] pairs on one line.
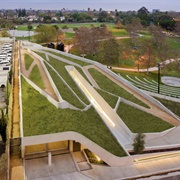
[[109, 158]]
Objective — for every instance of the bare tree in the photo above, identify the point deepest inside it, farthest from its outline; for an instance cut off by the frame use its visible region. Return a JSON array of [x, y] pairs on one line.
[[133, 29], [147, 53], [87, 39]]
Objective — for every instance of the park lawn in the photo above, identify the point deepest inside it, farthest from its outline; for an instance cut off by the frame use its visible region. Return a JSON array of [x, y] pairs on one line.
[[108, 85], [69, 25], [141, 122], [35, 77], [22, 38], [28, 61], [174, 42], [118, 32], [69, 35], [41, 117]]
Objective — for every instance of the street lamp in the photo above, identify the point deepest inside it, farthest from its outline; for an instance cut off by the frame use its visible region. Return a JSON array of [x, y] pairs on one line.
[[159, 77]]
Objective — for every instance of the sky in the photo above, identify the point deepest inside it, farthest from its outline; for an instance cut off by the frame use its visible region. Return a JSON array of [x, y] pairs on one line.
[[120, 5]]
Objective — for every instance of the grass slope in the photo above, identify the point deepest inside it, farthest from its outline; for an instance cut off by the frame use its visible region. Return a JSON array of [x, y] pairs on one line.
[[141, 122], [41, 117], [60, 68], [35, 76], [173, 106], [28, 61], [110, 86], [64, 90]]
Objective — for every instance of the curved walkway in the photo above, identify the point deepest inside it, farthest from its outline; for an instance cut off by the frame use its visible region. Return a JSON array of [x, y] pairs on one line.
[[145, 70], [48, 87]]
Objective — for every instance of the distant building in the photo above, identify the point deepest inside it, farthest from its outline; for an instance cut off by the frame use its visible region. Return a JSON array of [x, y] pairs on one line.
[[155, 10]]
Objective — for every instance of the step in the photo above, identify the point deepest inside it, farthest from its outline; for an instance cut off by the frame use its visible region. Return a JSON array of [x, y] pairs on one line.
[[83, 166]]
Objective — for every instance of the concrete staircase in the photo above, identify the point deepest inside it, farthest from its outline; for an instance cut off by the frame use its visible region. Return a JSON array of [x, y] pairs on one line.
[[81, 161]]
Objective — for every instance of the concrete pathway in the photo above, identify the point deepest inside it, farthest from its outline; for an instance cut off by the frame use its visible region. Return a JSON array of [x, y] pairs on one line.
[[145, 70], [63, 167], [137, 170]]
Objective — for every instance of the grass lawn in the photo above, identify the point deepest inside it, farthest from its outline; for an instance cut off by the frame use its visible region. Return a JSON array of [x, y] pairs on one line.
[[141, 122], [174, 42], [173, 106], [41, 117], [22, 38], [69, 25], [28, 61], [64, 90], [69, 35], [118, 32], [108, 85], [35, 77]]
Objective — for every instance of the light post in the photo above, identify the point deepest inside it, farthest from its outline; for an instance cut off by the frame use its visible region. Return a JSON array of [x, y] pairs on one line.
[[159, 77]]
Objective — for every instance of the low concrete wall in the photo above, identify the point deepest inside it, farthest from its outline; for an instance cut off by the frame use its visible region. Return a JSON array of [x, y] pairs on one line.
[[109, 158], [20, 92]]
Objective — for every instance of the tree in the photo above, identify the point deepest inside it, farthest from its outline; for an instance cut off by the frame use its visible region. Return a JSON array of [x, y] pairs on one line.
[[47, 19], [29, 27], [166, 22], [147, 53], [133, 28], [143, 14], [177, 28], [3, 126], [45, 34], [139, 143], [118, 25], [87, 39], [108, 52]]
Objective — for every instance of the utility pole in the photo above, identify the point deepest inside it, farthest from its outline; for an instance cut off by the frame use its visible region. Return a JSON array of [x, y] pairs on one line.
[[159, 77]]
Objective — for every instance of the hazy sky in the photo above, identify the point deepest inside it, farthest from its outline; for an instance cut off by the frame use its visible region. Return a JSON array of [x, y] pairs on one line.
[[120, 5]]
